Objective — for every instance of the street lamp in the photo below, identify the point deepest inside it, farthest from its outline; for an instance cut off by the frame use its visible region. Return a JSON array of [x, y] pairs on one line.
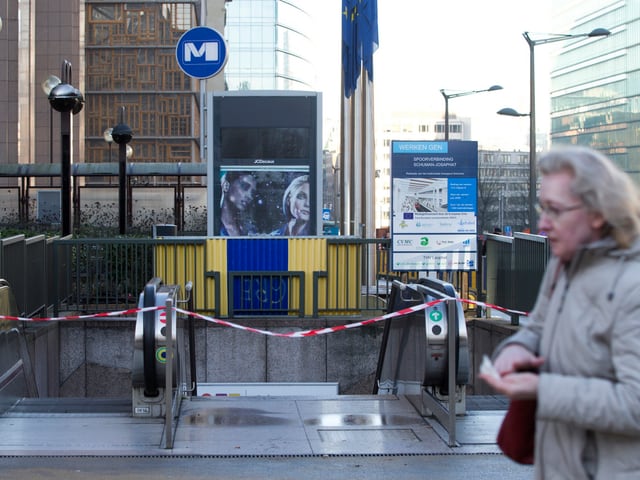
[[510, 112], [553, 37], [447, 96], [122, 135], [49, 84], [66, 99]]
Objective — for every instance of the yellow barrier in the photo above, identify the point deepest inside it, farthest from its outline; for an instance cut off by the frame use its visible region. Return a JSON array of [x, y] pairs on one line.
[[205, 263], [338, 263]]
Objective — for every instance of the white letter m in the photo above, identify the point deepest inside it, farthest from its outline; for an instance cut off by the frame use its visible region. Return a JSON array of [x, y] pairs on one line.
[[208, 49]]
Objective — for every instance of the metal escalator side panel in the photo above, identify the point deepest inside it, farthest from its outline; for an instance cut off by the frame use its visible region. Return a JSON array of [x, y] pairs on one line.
[[462, 344], [436, 330], [438, 288], [148, 341]]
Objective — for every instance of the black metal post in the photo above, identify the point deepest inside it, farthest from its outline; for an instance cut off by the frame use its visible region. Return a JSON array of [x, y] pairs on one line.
[[122, 134], [532, 136], [122, 186], [65, 129], [66, 99], [51, 143], [446, 117]]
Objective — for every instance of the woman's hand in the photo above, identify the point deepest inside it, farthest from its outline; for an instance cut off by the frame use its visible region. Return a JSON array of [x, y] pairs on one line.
[[514, 366], [517, 386], [516, 358]]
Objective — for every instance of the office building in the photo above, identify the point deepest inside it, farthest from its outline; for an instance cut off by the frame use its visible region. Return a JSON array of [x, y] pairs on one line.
[[130, 63], [122, 54], [269, 45], [595, 86]]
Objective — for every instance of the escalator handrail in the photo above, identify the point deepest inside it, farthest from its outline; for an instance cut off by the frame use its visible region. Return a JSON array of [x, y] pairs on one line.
[[148, 338]]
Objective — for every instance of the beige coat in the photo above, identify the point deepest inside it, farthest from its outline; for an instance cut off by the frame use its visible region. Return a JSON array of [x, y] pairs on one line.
[[586, 324]]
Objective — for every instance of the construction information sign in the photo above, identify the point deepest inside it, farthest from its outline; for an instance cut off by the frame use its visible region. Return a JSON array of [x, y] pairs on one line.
[[434, 205]]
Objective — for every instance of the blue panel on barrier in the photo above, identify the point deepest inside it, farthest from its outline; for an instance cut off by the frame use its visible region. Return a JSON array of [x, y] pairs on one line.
[[259, 293]]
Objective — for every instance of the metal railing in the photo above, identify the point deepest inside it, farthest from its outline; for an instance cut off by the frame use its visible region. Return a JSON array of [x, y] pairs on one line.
[[51, 275], [266, 293], [514, 268]]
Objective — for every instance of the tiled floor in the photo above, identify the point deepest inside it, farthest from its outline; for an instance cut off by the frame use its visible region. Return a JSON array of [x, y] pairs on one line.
[[253, 426]]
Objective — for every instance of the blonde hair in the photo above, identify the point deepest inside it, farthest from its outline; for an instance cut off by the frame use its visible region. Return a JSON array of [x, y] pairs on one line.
[[602, 186], [295, 185]]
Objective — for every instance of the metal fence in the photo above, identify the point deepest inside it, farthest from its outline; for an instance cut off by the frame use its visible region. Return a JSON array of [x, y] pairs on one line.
[[530, 256], [514, 268], [350, 277], [27, 264]]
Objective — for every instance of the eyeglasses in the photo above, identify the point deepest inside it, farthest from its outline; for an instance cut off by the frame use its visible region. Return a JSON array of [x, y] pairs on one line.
[[555, 212]]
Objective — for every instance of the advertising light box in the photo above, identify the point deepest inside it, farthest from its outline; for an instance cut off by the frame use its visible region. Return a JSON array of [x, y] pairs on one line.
[[265, 164]]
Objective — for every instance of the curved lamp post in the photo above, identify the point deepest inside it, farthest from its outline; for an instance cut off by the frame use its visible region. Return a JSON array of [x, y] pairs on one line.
[[66, 99], [551, 38], [510, 112], [49, 84], [122, 134], [447, 96]]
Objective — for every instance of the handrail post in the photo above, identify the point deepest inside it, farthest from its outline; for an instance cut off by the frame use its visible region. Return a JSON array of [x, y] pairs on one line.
[[168, 379], [452, 334]]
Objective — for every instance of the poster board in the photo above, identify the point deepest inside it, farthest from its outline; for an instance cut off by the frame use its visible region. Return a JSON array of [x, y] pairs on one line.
[[434, 205], [264, 163]]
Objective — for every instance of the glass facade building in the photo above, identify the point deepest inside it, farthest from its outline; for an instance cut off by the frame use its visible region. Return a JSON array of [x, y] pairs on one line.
[[269, 45], [595, 82]]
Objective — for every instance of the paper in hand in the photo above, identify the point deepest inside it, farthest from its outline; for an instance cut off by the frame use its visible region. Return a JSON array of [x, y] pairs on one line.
[[487, 368]]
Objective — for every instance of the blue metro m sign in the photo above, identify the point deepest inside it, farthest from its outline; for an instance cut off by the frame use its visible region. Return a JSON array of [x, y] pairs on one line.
[[201, 52]]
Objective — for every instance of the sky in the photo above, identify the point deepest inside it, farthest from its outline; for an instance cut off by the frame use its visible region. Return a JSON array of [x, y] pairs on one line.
[[457, 45]]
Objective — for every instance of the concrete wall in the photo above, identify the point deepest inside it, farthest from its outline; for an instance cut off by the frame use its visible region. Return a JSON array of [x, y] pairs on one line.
[[484, 336], [95, 357]]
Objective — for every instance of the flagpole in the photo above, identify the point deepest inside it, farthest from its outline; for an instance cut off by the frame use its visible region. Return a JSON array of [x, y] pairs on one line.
[[359, 42], [357, 158], [368, 205], [345, 167]]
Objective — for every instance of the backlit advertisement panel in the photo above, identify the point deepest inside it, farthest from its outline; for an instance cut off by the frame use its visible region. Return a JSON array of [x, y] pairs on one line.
[[264, 200], [265, 164], [434, 205]]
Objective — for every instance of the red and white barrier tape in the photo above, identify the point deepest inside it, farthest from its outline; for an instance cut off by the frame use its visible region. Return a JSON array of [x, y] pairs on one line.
[[337, 328], [316, 332], [298, 334], [131, 311]]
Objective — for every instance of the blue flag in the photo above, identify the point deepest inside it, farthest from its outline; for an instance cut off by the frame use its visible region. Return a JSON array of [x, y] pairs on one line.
[[359, 40], [368, 32], [349, 46]]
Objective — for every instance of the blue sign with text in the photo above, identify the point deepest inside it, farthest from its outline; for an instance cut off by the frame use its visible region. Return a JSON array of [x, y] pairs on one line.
[[434, 205], [201, 52]]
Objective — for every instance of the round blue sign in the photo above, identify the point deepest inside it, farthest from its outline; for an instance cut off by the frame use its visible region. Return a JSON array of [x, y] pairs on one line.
[[201, 52]]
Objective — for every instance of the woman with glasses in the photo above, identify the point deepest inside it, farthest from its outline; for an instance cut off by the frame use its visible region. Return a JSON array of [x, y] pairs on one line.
[[579, 353]]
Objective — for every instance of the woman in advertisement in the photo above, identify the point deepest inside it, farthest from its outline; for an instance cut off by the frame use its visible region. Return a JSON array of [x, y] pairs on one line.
[[296, 208], [238, 192]]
